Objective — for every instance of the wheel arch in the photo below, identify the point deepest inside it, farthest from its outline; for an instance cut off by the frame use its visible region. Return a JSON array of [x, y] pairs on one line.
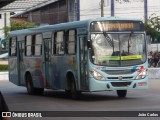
[[26, 74], [70, 75]]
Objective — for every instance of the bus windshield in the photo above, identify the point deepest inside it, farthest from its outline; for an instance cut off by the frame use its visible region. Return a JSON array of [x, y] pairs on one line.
[[118, 49]]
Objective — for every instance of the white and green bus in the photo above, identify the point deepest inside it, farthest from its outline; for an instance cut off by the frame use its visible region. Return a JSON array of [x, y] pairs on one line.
[[102, 54]]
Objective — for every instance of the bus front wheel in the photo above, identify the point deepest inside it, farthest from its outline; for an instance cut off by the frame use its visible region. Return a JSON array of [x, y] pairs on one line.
[[74, 93], [121, 93], [30, 89]]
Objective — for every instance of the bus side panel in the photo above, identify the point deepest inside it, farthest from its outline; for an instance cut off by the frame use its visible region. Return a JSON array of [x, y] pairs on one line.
[[13, 70], [33, 65], [38, 73], [59, 67]]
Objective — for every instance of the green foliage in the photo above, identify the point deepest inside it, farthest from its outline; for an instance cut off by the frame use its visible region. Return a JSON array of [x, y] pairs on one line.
[[3, 67], [18, 26], [152, 27], [21, 25], [14, 26], [6, 30]]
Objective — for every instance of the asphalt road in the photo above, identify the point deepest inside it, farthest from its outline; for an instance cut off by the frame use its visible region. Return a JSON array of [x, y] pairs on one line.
[[136, 100]]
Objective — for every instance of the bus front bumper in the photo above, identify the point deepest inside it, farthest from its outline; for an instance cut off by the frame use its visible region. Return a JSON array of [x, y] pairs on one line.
[[99, 85]]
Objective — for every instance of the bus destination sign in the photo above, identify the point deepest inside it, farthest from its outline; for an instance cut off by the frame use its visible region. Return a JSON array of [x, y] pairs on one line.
[[117, 26]]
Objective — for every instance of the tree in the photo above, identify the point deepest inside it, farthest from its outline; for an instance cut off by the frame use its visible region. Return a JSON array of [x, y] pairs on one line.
[[14, 26], [152, 27], [18, 26], [21, 25]]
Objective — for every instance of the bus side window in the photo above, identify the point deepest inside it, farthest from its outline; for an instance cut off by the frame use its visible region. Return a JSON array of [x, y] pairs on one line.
[[28, 45], [71, 45], [38, 45], [59, 43], [13, 44]]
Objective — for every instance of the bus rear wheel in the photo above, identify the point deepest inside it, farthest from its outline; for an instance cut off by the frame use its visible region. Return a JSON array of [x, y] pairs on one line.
[[121, 93], [30, 89]]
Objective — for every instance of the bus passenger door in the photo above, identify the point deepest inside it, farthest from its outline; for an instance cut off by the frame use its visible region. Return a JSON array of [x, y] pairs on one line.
[[47, 61], [83, 62], [20, 62], [46, 56]]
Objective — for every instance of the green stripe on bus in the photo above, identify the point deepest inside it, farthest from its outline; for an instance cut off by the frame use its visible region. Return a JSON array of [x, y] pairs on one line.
[[102, 58], [130, 57]]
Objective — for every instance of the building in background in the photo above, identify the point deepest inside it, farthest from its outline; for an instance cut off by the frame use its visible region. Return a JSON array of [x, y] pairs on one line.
[[60, 11], [4, 21]]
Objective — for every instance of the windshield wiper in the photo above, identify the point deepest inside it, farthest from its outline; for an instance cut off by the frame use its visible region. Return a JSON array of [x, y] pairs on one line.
[[109, 40]]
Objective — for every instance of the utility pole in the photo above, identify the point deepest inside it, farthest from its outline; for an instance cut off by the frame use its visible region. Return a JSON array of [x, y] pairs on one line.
[[5, 23], [112, 7], [145, 10], [102, 8]]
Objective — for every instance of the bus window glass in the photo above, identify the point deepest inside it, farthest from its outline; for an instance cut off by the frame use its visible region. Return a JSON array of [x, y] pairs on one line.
[[13, 46], [118, 49], [38, 45], [59, 43], [71, 42], [28, 45], [29, 40]]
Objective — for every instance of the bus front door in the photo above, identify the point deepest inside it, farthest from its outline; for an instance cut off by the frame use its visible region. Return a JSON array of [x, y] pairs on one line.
[[83, 62]]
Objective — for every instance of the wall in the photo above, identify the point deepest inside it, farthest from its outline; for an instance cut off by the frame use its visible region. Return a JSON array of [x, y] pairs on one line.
[[154, 73], [53, 13]]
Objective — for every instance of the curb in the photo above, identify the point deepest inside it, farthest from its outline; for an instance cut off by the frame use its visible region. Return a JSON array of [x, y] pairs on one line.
[[4, 76]]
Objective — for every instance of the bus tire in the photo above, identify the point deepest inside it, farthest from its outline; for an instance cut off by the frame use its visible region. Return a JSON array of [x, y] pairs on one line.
[[30, 89], [121, 93], [39, 91], [74, 93]]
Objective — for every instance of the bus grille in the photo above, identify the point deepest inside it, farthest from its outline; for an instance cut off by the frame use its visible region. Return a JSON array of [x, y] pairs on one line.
[[116, 78], [120, 84], [118, 72]]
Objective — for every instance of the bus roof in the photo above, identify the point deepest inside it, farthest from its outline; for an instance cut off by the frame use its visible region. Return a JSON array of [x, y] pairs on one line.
[[61, 26]]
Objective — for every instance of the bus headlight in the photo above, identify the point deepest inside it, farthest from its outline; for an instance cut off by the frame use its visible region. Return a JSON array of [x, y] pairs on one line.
[[97, 75], [142, 74]]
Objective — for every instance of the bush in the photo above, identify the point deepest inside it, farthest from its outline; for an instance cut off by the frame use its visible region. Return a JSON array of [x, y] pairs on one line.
[[3, 67]]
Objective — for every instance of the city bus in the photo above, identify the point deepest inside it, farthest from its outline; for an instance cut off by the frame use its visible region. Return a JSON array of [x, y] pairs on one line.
[[102, 54]]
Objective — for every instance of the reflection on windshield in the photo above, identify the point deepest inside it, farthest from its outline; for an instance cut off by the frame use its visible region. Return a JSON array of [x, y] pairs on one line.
[[118, 49]]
